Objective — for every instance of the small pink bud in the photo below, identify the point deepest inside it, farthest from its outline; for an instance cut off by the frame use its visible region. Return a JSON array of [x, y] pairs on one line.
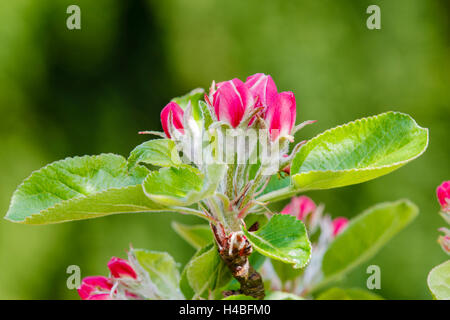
[[443, 195], [444, 240], [94, 285], [339, 225], [263, 89], [172, 110], [300, 207], [231, 101], [280, 116], [121, 268]]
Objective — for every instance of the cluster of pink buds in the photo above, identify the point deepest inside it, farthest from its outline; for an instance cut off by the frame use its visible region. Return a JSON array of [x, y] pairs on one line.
[[239, 103], [443, 195], [216, 131], [304, 208], [324, 228], [103, 288]]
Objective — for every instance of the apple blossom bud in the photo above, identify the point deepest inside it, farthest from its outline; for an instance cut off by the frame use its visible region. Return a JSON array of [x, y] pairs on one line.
[[263, 89], [300, 207], [339, 225], [95, 287], [280, 116], [444, 241], [121, 268], [172, 112], [443, 195], [231, 101]]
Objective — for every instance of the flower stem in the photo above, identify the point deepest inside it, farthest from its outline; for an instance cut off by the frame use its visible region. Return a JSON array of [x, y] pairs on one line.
[[234, 249]]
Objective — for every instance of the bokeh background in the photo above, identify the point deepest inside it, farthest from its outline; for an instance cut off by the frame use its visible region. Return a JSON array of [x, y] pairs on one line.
[[66, 93]]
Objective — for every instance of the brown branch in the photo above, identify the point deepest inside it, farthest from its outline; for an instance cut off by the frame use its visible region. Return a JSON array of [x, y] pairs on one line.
[[234, 249]]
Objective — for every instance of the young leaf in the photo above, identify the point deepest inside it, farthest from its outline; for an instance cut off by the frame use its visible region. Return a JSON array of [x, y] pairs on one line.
[[207, 271], [158, 152], [184, 185], [162, 271], [197, 236], [193, 98], [283, 238], [356, 152], [206, 114], [184, 282], [80, 188], [365, 235], [439, 281], [359, 151], [348, 294]]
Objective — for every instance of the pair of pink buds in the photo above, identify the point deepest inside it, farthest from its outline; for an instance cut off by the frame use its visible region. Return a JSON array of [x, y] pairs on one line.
[[234, 99], [443, 195], [99, 287], [302, 206]]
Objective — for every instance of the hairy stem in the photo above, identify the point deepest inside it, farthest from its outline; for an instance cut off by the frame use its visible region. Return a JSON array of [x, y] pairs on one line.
[[234, 249]]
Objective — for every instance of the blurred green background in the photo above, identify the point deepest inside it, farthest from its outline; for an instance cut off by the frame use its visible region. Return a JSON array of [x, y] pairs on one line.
[[65, 93]]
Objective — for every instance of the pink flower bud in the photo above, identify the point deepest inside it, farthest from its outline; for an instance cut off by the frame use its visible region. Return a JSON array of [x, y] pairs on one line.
[[443, 195], [94, 286], [231, 101], [444, 241], [121, 268], [263, 89], [300, 207], [280, 116], [339, 225], [174, 111]]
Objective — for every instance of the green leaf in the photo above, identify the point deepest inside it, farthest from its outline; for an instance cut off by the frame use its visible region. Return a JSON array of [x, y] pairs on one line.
[[206, 114], [184, 185], [206, 271], [280, 295], [359, 151], [348, 294], [184, 282], [365, 235], [193, 98], [162, 271], [197, 236], [80, 188], [283, 238], [439, 281], [277, 183], [285, 271], [158, 152]]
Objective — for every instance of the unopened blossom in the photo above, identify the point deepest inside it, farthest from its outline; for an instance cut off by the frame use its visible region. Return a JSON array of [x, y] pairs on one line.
[[231, 101], [300, 207], [263, 89], [444, 240], [339, 225], [280, 116], [95, 288], [121, 268], [443, 195], [115, 287], [172, 117]]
